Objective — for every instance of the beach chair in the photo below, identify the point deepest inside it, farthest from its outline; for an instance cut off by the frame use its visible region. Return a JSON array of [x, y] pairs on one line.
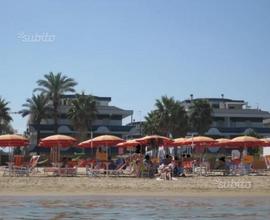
[[18, 160], [188, 166], [235, 167], [23, 170], [98, 169], [267, 161], [29, 168], [60, 171], [247, 163]]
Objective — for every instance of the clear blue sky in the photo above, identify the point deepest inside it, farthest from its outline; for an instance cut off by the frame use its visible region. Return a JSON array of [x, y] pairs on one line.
[[135, 51]]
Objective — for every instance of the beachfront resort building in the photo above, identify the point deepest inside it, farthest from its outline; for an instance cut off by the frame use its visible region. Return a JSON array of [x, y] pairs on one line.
[[234, 117], [108, 121]]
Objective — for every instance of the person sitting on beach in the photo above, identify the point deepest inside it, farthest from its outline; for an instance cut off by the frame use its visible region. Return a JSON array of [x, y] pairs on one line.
[[220, 163], [112, 165], [64, 163], [166, 172], [119, 162], [148, 165], [178, 168], [138, 165], [147, 161], [167, 160], [70, 163]]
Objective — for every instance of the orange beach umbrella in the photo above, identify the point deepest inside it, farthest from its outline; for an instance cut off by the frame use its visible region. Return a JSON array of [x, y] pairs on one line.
[[128, 143], [13, 140], [247, 141], [107, 140], [179, 141], [161, 140], [200, 141], [266, 141], [223, 142], [57, 140]]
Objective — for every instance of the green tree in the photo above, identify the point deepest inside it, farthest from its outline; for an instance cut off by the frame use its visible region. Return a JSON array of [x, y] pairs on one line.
[[5, 117], [37, 108], [200, 118], [54, 86], [82, 113], [168, 119], [151, 124]]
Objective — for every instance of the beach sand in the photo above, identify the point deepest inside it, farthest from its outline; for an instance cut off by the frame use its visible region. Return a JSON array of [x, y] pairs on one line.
[[184, 186]]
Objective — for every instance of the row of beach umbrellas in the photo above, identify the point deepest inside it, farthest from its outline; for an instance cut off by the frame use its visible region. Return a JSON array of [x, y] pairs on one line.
[[58, 141], [110, 140]]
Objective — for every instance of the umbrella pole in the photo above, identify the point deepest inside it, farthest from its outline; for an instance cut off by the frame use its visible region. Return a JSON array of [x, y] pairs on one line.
[[10, 162], [58, 154], [107, 165], [202, 161]]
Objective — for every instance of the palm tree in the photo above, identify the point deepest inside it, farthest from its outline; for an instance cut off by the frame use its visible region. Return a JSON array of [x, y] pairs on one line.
[[200, 116], [151, 124], [173, 117], [38, 108], [168, 119], [5, 117], [82, 113], [54, 86]]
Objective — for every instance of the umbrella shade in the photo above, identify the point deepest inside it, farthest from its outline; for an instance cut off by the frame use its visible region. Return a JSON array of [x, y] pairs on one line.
[[200, 141], [57, 140], [13, 140], [246, 141], [266, 141], [179, 141], [129, 143], [223, 142], [107, 140], [160, 140]]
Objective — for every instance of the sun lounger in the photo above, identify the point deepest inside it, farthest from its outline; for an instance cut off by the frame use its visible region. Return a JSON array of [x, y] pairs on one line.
[[24, 170], [60, 171], [267, 161]]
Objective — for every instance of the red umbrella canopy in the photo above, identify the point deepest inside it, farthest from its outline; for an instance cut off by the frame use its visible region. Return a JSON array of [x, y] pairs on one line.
[[13, 140], [57, 140], [223, 142], [179, 141], [266, 141], [107, 140], [128, 143], [246, 141], [160, 140], [200, 141]]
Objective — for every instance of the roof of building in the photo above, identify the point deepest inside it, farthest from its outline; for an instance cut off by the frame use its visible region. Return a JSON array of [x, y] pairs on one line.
[[98, 98], [240, 113], [113, 128], [214, 100], [113, 110], [243, 129]]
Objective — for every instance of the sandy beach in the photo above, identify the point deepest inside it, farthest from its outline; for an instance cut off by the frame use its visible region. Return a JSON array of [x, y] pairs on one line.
[[188, 186]]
